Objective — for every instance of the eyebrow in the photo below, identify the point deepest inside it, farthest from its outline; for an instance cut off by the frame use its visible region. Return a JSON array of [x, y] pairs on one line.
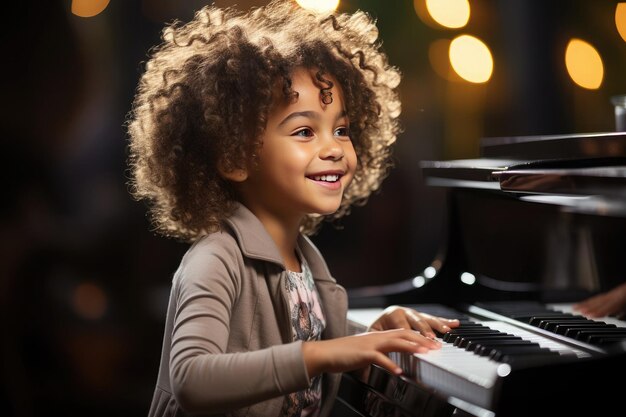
[[310, 115]]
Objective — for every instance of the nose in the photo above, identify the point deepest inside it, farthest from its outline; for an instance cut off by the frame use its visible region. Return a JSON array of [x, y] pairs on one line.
[[331, 149]]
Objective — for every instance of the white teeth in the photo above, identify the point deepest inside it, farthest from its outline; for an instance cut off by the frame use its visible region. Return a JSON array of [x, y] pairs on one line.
[[327, 178]]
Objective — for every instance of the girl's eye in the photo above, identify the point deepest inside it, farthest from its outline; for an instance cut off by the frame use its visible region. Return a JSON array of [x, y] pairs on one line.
[[342, 131], [304, 133]]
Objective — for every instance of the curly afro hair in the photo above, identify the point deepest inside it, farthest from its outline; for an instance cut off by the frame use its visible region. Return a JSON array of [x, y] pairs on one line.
[[204, 98]]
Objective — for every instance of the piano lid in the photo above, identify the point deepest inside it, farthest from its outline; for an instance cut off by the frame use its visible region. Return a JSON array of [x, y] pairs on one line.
[[558, 147], [540, 217], [582, 173]]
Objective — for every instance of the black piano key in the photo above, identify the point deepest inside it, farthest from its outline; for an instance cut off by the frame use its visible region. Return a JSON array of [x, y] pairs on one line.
[[536, 320], [463, 342], [551, 324], [465, 338], [585, 335], [471, 343], [466, 328], [527, 315], [547, 356], [514, 349], [467, 324], [452, 336], [470, 331], [492, 333], [508, 353], [447, 336], [570, 330], [574, 331], [527, 318], [475, 345], [462, 329], [606, 340]]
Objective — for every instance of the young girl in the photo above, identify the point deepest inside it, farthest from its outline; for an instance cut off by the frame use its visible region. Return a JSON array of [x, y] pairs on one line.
[[248, 130]]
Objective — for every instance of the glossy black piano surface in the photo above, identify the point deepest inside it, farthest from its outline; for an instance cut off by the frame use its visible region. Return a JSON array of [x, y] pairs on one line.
[[534, 224]]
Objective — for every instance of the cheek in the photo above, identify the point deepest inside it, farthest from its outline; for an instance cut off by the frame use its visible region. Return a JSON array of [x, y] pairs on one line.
[[351, 157], [288, 165], [283, 160], [297, 160]]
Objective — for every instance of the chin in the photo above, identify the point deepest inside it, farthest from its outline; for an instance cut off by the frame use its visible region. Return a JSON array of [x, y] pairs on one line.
[[329, 210]]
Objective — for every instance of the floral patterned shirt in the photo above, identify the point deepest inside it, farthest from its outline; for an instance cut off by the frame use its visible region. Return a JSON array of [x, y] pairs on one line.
[[308, 323]]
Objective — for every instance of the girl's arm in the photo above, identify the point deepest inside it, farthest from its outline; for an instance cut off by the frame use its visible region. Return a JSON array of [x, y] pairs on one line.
[[352, 353], [205, 378], [393, 331]]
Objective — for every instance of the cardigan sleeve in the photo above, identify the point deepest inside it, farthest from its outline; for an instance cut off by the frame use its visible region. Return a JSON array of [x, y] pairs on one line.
[[206, 379]]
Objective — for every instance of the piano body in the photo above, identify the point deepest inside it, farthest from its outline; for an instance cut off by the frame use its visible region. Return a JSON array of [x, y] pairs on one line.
[[534, 225]]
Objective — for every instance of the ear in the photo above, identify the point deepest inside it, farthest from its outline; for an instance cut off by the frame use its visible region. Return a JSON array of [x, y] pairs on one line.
[[234, 175]]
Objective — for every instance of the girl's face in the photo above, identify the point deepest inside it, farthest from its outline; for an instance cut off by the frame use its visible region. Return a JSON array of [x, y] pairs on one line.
[[307, 158]]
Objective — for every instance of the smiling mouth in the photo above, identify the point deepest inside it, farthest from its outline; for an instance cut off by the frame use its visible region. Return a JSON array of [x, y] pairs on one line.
[[326, 178]]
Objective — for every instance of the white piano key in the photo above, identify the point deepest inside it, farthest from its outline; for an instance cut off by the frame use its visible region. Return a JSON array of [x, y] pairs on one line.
[[455, 372]]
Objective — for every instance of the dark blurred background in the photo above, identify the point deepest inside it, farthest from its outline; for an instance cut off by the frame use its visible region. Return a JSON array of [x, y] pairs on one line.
[[84, 279]]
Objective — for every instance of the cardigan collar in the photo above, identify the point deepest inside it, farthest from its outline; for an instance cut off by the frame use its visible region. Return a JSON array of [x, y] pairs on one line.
[[256, 243]]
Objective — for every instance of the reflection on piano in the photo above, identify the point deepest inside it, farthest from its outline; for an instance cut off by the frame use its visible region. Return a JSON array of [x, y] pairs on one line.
[[534, 225]]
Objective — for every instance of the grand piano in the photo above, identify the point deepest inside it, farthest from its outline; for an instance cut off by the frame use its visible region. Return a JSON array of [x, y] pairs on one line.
[[534, 224]]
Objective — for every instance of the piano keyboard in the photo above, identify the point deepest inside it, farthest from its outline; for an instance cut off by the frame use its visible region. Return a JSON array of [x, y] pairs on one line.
[[476, 357], [557, 321]]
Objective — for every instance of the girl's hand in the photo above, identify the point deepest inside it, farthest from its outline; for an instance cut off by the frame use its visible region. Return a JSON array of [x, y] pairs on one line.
[[608, 303], [396, 317], [359, 351]]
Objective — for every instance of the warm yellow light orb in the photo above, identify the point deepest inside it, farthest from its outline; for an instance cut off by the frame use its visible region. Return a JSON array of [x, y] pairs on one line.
[[584, 64], [620, 19], [471, 59], [452, 14], [319, 6], [88, 8]]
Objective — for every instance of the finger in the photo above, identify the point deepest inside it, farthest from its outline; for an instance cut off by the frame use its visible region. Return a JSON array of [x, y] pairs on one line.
[[399, 319], [377, 326], [430, 342], [420, 343], [452, 322], [417, 322], [595, 313], [401, 322], [606, 309], [586, 305], [595, 305], [385, 362], [382, 359], [595, 308], [443, 325]]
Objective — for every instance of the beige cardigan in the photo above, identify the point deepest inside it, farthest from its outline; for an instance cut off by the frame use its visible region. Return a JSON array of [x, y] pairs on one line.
[[228, 347]]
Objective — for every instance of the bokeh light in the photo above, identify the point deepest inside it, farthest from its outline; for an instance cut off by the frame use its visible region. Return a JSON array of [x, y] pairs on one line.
[[89, 301], [471, 59], [319, 6], [88, 8], [620, 19], [584, 64], [452, 14]]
